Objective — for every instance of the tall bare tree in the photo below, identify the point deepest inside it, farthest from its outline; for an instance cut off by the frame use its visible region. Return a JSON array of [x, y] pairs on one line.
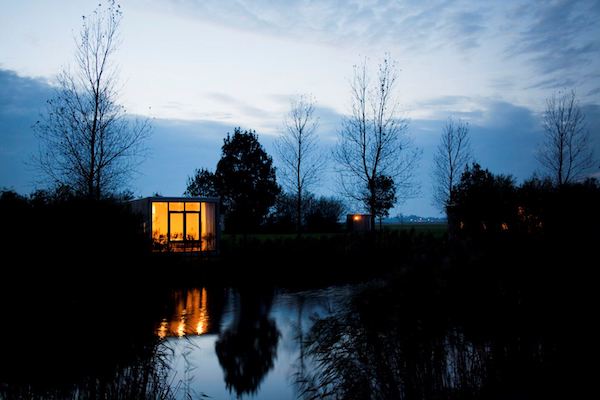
[[297, 147], [374, 141], [452, 156], [566, 153], [86, 139]]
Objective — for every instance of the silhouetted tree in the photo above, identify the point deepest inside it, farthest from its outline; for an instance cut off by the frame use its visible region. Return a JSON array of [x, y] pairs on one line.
[[373, 140], [565, 153], [301, 161], [484, 202], [245, 180], [385, 197], [202, 183], [320, 214], [324, 213], [86, 139], [452, 156]]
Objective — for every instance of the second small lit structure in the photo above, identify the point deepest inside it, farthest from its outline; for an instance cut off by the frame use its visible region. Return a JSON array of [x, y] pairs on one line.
[[358, 222], [182, 224]]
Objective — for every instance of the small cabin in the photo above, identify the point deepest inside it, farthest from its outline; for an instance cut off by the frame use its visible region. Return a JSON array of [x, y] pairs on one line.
[[180, 224], [358, 222]]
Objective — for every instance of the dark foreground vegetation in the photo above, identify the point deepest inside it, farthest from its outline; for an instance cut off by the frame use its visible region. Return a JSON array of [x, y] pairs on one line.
[[477, 313]]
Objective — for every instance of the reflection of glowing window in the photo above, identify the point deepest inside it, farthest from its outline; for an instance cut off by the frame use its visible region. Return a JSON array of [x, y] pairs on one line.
[[176, 232], [159, 221], [162, 330], [202, 326]]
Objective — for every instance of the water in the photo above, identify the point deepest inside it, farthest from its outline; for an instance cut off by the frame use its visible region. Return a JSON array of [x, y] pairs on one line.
[[227, 343], [346, 341]]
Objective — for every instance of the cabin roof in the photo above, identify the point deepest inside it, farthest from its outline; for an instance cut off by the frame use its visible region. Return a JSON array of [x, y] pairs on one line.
[[184, 199]]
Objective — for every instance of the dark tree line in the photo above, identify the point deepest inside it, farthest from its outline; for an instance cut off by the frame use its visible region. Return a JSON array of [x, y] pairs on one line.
[[487, 203]]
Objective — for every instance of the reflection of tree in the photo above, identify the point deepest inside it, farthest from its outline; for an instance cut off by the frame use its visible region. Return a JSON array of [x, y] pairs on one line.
[[384, 351], [248, 348]]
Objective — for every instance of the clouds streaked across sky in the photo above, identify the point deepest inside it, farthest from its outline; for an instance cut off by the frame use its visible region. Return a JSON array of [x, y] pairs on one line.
[[201, 67]]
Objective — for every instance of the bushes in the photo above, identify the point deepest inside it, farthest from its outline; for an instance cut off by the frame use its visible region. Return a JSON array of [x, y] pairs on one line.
[[65, 238]]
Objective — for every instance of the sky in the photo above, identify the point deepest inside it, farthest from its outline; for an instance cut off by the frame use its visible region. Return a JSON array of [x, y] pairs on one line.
[[199, 68]]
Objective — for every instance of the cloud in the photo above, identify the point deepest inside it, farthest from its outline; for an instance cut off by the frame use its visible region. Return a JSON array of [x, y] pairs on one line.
[[21, 101], [240, 106], [19, 95], [412, 24], [561, 39]]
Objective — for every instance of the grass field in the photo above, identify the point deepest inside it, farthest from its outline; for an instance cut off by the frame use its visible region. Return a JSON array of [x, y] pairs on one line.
[[436, 230]]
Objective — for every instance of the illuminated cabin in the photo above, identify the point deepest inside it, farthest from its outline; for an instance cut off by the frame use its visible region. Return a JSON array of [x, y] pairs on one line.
[[180, 224], [358, 222]]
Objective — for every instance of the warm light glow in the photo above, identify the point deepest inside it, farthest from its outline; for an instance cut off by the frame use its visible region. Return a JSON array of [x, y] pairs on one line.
[[181, 328], [162, 330], [203, 317], [160, 221], [504, 226], [175, 206], [176, 226], [184, 221], [192, 206], [208, 218], [192, 226], [356, 218], [190, 316]]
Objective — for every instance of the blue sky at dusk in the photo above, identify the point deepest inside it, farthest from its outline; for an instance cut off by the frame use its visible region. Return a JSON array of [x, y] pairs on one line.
[[199, 68]]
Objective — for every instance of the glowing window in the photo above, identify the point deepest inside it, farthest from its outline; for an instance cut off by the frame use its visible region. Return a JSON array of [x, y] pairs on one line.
[[176, 206], [160, 221], [192, 226], [176, 232], [208, 226], [192, 206]]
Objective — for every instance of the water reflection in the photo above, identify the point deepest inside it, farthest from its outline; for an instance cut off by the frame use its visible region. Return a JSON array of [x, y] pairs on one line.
[[247, 348], [376, 348], [189, 313], [341, 342]]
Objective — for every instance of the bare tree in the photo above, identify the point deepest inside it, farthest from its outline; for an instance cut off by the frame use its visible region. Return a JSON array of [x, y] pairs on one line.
[[566, 153], [86, 139], [452, 156], [374, 141], [297, 147]]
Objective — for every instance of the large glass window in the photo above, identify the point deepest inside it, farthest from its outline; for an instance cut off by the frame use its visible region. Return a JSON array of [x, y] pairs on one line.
[[176, 228], [192, 226], [175, 206], [192, 206], [184, 221], [208, 226], [160, 221]]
